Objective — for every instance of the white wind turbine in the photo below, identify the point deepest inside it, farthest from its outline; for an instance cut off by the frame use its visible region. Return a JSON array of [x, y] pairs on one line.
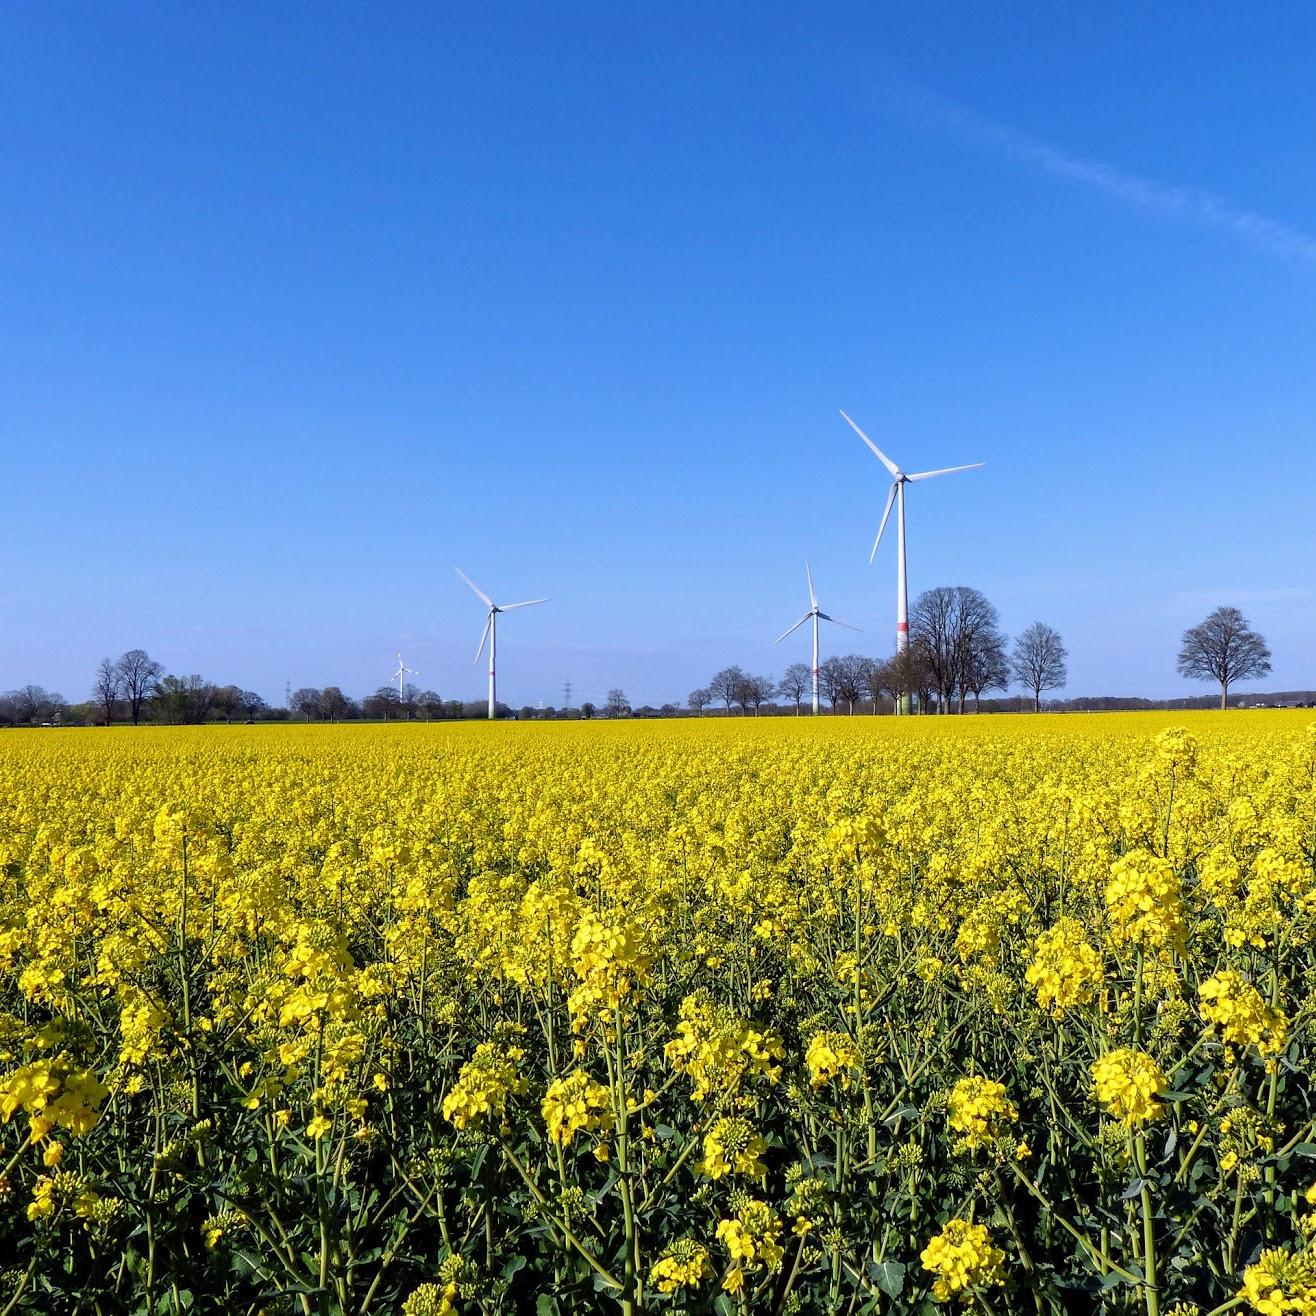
[[400, 677], [816, 615], [896, 494], [490, 632]]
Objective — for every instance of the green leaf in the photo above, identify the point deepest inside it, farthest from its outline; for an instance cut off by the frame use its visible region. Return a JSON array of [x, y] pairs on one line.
[[889, 1276]]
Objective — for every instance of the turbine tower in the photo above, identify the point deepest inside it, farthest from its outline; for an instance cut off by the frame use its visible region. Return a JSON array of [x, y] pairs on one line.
[[896, 494], [816, 614], [400, 677], [490, 631]]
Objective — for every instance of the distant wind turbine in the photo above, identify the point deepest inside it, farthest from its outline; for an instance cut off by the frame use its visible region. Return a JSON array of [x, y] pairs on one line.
[[896, 494], [816, 614], [400, 677], [490, 632]]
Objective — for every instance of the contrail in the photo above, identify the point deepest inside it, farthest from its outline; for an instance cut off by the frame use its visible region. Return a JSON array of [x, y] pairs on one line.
[[1185, 201]]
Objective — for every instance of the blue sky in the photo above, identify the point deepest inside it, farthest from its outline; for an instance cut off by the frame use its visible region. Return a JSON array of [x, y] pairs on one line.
[[301, 305]]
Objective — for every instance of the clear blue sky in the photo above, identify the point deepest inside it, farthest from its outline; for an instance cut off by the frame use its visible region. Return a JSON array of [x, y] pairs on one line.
[[301, 304]]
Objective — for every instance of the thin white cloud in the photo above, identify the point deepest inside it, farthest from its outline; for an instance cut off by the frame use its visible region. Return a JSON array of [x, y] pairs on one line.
[[1184, 201]]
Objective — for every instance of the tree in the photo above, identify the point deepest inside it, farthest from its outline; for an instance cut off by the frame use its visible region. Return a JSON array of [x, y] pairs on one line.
[[332, 703], [1039, 661], [382, 704], [138, 673], [251, 704], [106, 689], [1223, 648], [429, 705], [796, 683], [986, 666], [306, 701], [618, 704], [182, 699], [407, 700], [831, 681], [33, 704], [877, 681], [587, 710], [699, 699], [725, 684], [757, 690], [953, 623], [226, 700]]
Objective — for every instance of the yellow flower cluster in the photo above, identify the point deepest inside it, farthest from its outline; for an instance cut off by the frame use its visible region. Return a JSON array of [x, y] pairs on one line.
[[980, 1111], [1143, 898], [832, 1057], [53, 1094], [751, 1238], [573, 1105], [964, 1261], [685, 1265], [1066, 970], [483, 1086], [731, 1146], [1281, 1283], [1237, 1009], [1127, 1082]]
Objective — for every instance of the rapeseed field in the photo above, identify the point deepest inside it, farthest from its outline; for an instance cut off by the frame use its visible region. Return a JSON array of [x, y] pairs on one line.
[[857, 1015]]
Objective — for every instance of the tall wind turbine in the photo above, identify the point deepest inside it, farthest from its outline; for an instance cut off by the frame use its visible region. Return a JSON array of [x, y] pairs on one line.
[[400, 677], [896, 494], [490, 632], [816, 614]]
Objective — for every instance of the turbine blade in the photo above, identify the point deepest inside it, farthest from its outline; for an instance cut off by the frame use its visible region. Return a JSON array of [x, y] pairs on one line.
[[877, 452], [886, 512], [947, 470], [488, 602], [529, 603], [796, 627], [836, 621], [813, 598], [484, 635]]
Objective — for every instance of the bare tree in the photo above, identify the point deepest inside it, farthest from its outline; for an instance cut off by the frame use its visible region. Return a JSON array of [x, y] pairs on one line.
[[986, 666], [1039, 661], [618, 704], [831, 681], [699, 699], [138, 673], [1223, 648], [382, 704], [759, 690], [932, 625], [407, 700], [306, 701], [106, 689], [723, 686], [428, 704], [33, 704], [843, 680], [251, 704], [796, 683], [332, 703], [955, 624], [877, 681]]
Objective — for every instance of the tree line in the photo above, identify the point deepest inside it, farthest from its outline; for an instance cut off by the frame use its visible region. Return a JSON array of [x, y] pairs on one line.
[[956, 650]]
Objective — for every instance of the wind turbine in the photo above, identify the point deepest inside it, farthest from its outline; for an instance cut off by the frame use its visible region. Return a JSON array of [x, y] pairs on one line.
[[896, 494], [400, 677], [490, 632], [816, 614]]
